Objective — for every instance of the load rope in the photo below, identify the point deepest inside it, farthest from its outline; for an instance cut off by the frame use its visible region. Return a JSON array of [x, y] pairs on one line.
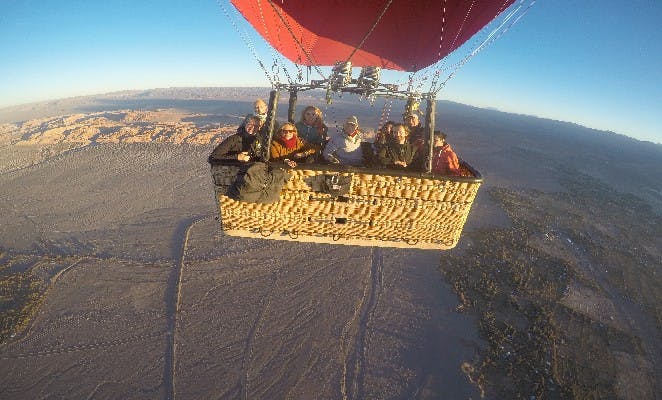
[[496, 34], [247, 41], [289, 29], [275, 55]]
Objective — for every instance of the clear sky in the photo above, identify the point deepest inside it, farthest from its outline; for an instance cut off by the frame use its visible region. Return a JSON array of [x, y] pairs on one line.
[[597, 63]]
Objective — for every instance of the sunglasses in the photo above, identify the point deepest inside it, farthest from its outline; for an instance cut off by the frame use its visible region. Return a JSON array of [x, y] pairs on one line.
[[287, 130]]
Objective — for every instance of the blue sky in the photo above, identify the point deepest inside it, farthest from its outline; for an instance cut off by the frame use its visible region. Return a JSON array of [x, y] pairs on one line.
[[594, 62]]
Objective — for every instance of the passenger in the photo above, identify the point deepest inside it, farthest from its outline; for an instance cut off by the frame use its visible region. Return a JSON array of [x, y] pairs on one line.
[[384, 136], [345, 147], [286, 146], [444, 159], [244, 145], [416, 131], [417, 138], [398, 154], [260, 110], [311, 128]]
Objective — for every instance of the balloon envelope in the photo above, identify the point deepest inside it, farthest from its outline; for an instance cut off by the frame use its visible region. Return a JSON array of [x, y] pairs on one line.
[[403, 35]]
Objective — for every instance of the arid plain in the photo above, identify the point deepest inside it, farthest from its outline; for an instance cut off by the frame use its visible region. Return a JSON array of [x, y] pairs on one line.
[[117, 283]]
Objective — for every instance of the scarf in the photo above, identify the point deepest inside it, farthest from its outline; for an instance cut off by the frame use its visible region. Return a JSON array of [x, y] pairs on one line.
[[289, 144]]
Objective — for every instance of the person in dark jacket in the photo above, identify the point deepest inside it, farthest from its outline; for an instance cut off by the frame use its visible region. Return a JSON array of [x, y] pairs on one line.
[[311, 127], [419, 139], [398, 154], [416, 130], [245, 145], [384, 135]]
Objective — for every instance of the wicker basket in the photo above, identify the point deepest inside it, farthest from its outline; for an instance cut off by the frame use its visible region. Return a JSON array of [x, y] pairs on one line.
[[383, 208]]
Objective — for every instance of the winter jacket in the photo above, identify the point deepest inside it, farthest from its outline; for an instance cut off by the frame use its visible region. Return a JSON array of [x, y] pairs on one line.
[[393, 152], [238, 143], [345, 148], [417, 137], [312, 134], [445, 161], [279, 152]]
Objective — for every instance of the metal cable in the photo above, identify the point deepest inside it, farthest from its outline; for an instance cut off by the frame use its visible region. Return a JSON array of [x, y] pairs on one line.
[[289, 29], [492, 37], [246, 39], [275, 67]]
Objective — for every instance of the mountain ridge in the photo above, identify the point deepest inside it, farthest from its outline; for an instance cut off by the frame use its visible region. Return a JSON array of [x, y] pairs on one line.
[[42, 109]]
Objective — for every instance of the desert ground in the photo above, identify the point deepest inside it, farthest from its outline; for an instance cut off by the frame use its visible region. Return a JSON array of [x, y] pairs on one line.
[[118, 283]]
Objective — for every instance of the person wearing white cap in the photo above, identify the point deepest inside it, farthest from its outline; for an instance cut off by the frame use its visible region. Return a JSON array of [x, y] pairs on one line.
[[345, 147], [417, 132]]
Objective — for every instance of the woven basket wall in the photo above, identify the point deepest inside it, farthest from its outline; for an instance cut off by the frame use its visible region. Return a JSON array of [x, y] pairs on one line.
[[377, 207]]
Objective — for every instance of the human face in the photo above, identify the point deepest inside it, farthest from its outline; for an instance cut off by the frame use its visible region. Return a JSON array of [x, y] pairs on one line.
[[310, 116], [401, 134], [251, 127], [287, 132], [349, 128], [439, 141], [260, 107], [412, 120]]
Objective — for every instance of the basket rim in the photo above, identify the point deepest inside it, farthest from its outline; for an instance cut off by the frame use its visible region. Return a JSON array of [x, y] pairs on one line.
[[342, 168]]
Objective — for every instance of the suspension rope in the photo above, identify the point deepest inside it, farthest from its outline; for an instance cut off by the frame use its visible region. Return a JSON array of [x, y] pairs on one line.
[[437, 70], [497, 33], [275, 67], [278, 58], [386, 112], [247, 41], [289, 29], [372, 28]]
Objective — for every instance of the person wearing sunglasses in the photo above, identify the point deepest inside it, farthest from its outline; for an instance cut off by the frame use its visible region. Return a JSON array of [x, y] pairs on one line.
[[289, 148]]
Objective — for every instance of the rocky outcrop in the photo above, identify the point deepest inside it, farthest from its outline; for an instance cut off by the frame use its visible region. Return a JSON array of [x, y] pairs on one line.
[[126, 126]]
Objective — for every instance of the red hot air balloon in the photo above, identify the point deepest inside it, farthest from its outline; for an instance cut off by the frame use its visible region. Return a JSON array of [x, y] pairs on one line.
[[361, 205], [401, 35]]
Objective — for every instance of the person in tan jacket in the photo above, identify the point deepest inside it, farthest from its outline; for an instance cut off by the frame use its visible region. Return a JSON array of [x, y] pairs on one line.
[[288, 147]]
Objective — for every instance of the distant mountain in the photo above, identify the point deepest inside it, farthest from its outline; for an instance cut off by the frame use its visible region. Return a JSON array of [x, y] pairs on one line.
[[486, 138]]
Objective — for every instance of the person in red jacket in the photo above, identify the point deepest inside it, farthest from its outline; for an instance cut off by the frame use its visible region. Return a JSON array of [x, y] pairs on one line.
[[444, 159]]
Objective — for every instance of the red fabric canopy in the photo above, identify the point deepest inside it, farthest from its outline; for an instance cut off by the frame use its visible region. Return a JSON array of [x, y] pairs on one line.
[[409, 36]]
